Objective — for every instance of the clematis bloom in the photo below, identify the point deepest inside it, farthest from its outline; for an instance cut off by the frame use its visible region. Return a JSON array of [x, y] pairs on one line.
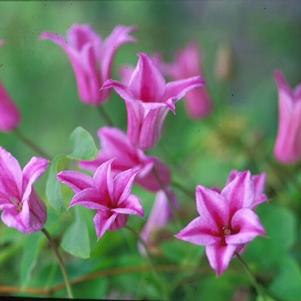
[[148, 99], [90, 57], [9, 114], [21, 207], [108, 194], [226, 222], [116, 145], [187, 63], [287, 148]]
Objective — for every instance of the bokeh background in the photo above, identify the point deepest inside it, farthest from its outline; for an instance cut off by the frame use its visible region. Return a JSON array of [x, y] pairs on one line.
[[257, 37]]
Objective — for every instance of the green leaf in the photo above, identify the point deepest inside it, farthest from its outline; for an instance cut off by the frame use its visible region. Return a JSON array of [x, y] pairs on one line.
[[31, 250], [287, 284], [76, 238], [83, 145], [53, 188]]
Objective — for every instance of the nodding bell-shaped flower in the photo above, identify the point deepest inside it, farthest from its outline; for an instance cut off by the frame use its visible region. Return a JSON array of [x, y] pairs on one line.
[[148, 99], [91, 57], [109, 194], [152, 174], [21, 207], [287, 148], [188, 63], [226, 222]]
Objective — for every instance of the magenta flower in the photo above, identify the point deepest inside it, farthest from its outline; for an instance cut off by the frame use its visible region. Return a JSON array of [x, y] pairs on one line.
[[226, 223], [188, 63], [108, 194], [116, 145], [21, 206], [288, 144], [159, 217], [9, 114], [90, 57], [148, 99]]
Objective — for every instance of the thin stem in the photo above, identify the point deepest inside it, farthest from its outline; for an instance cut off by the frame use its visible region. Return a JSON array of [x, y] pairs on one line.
[[105, 116], [60, 261], [31, 144], [150, 259]]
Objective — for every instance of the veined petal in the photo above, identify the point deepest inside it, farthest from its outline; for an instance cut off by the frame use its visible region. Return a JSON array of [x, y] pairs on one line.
[[147, 83], [212, 205], [31, 172], [259, 186], [200, 231], [5, 201], [103, 220], [88, 198], [219, 256], [76, 180], [247, 225], [11, 218], [103, 179], [239, 193], [131, 205], [123, 183]]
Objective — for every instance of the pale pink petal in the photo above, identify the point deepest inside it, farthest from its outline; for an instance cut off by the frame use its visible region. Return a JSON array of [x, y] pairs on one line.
[[239, 193], [123, 183], [131, 205], [246, 226], [259, 186], [5, 201], [103, 220], [103, 180], [200, 231], [76, 180], [88, 198], [147, 83], [219, 256], [212, 205], [11, 218], [125, 73]]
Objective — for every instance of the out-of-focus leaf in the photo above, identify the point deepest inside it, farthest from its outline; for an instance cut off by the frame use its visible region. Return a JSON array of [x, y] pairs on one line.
[[31, 250], [53, 189], [83, 145], [94, 289], [280, 225], [287, 285], [76, 238]]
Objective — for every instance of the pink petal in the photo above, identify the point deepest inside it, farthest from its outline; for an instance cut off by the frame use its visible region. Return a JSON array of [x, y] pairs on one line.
[[11, 218], [201, 231], [76, 180], [88, 198], [103, 180], [211, 205], [31, 172], [239, 193], [11, 174], [103, 220], [131, 205], [259, 186], [125, 73], [146, 82], [123, 183], [119, 36], [247, 225], [5, 201], [219, 256], [9, 114], [177, 89]]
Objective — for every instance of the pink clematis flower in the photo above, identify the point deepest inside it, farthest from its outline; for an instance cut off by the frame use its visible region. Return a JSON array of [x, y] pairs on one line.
[[90, 57], [21, 207], [148, 99], [159, 217], [116, 145], [9, 114], [108, 194], [287, 149], [188, 63], [226, 222]]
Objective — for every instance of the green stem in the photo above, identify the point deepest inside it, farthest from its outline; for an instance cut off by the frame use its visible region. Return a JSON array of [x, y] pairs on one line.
[[182, 188], [31, 144], [60, 261], [105, 116]]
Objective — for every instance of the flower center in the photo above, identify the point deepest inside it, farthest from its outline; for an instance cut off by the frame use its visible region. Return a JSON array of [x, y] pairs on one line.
[[226, 230], [17, 203]]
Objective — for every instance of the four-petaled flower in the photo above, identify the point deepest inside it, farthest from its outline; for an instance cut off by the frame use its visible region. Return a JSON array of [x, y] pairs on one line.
[[21, 206], [152, 173], [90, 57], [288, 143], [226, 223], [108, 194], [148, 99]]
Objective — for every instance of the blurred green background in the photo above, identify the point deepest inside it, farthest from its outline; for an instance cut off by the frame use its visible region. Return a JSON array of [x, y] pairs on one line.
[[261, 36]]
